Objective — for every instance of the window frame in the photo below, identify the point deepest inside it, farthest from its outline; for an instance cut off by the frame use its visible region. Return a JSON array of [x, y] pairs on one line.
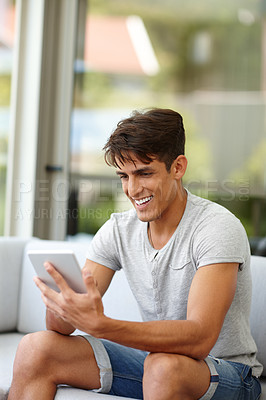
[[41, 105]]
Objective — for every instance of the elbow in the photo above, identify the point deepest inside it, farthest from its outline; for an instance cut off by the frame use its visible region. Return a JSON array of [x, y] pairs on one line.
[[200, 354], [203, 338], [202, 348]]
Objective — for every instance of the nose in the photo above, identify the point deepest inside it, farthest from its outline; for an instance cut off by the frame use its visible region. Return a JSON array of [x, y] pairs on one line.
[[133, 186]]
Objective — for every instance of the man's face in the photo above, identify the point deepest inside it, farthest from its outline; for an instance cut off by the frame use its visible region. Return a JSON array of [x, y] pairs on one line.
[[150, 187]]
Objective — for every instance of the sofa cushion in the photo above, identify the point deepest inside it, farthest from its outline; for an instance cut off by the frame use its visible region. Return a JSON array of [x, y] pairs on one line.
[[11, 250], [68, 393], [257, 318], [8, 346]]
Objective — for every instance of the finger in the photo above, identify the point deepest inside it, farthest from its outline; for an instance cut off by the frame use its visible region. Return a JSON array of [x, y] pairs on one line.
[[54, 307], [50, 297], [45, 290], [57, 277]]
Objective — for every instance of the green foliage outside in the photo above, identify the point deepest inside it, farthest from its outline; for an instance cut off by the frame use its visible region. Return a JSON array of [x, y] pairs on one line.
[[235, 64], [93, 215], [254, 166], [251, 212], [5, 85], [3, 145], [190, 10]]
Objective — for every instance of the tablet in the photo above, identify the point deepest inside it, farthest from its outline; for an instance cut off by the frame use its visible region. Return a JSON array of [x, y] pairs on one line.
[[64, 261]]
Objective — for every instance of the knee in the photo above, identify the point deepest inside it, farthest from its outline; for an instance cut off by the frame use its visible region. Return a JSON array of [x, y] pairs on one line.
[[34, 353], [157, 367], [160, 368], [174, 376]]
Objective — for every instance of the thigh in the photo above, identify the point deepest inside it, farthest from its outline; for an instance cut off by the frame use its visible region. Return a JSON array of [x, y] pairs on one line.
[[127, 366], [65, 359], [231, 381], [76, 363]]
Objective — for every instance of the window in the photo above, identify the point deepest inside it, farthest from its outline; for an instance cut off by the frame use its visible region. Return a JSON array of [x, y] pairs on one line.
[[7, 25], [205, 62]]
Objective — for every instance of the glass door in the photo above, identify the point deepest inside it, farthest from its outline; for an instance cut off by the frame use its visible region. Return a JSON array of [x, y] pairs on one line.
[[205, 62]]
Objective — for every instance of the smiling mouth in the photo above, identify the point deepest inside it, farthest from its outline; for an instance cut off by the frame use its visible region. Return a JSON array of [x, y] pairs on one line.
[[143, 201]]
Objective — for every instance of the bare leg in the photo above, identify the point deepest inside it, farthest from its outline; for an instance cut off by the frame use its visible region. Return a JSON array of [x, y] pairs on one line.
[[47, 359], [174, 377]]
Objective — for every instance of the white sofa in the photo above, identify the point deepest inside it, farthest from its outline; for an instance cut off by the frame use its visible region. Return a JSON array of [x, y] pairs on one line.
[[22, 310]]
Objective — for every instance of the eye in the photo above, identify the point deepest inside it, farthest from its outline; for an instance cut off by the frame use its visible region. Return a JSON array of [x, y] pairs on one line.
[[122, 176], [146, 173]]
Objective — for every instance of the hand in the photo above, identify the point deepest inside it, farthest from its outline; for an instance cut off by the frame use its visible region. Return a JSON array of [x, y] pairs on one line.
[[83, 311]]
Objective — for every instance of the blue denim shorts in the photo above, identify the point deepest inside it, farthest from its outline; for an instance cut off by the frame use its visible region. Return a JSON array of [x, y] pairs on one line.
[[121, 372], [231, 380]]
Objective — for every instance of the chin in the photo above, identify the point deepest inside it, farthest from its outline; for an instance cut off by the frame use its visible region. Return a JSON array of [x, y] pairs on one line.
[[147, 217], [143, 217]]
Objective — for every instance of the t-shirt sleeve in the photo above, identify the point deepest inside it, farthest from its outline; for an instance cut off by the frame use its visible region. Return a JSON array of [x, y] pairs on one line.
[[221, 238], [103, 248]]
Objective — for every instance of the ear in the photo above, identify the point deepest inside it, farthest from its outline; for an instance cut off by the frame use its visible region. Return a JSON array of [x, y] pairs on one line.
[[179, 166]]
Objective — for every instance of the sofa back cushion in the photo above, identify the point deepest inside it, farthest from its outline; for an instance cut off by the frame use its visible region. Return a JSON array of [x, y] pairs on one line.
[[258, 306], [11, 250], [118, 301]]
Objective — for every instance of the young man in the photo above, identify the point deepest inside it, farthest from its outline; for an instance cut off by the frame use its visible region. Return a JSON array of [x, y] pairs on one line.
[[187, 261]]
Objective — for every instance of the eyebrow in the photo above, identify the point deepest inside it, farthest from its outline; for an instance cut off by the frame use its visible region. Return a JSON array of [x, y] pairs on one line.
[[137, 171]]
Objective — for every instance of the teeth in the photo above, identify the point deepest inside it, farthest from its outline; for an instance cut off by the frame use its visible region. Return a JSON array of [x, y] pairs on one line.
[[139, 202]]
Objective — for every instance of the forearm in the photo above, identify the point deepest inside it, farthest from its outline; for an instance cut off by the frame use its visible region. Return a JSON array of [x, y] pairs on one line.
[[177, 337], [55, 323]]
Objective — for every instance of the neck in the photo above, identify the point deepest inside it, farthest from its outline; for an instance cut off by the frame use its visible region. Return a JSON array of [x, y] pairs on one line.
[[161, 229]]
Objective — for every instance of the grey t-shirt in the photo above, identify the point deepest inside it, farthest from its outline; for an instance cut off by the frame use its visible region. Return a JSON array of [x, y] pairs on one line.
[[160, 279]]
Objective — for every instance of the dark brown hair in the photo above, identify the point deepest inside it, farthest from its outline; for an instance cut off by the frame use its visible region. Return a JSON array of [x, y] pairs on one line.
[[153, 134]]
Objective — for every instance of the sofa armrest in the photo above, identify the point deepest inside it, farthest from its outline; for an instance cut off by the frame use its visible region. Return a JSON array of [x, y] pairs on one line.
[[11, 253]]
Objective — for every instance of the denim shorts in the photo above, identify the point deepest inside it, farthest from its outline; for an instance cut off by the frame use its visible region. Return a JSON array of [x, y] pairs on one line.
[[121, 372]]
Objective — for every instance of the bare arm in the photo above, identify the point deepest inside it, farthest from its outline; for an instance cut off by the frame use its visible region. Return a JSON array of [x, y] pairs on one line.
[[211, 294], [102, 276], [210, 297]]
